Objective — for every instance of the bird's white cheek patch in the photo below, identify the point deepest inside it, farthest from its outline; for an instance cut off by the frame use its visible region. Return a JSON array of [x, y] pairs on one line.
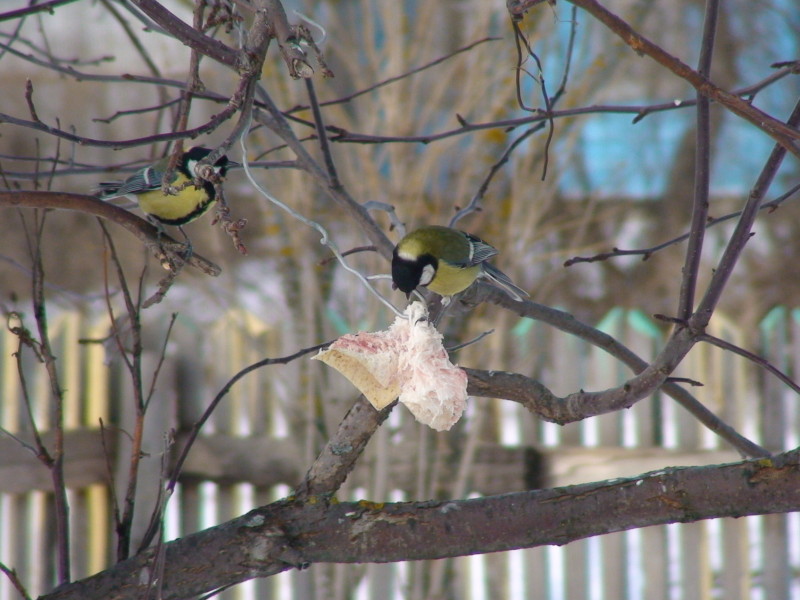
[[427, 275]]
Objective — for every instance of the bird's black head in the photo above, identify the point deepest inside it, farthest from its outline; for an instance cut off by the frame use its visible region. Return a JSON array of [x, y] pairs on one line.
[[407, 273], [197, 153]]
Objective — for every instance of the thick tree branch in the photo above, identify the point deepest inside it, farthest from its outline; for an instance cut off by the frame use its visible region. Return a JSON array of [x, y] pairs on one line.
[[189, 35], [289, 533], [339, 456]]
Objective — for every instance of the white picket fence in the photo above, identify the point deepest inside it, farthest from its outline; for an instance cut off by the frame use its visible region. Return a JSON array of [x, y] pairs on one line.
[[280, 416]]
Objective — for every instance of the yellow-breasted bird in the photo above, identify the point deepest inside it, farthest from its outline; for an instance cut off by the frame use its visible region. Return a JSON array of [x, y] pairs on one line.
[[189, 203], [446, 261]]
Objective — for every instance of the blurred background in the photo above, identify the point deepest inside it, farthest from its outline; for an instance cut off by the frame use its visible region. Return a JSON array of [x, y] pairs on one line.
[[612, 180]]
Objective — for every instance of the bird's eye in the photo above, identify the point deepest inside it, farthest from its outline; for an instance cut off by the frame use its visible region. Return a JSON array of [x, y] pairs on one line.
[[428, 272]]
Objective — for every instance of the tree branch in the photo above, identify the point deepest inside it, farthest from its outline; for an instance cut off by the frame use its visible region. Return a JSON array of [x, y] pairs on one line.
[[187, 34], [159, 243], [742, 233], [702, 171], [537, 398], [289, 534], [32, 10], [783, 134], [646, 253]]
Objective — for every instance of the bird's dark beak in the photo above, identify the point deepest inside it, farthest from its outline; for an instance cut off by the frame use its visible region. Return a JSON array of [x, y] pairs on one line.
[[232, 164], [408, 294]]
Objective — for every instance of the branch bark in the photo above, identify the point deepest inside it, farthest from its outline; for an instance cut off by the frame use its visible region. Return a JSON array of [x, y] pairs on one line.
[[581, 405], [290, 533], [187, 34], [144, 231]]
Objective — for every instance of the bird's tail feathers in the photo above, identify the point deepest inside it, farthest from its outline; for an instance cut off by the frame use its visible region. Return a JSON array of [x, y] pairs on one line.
[[499, 279], [107, 189]]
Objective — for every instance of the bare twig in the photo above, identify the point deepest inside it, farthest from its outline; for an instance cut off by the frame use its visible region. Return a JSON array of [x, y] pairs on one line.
[[155, 521], [56, 466], [14, 579], [133, 362], [244, 99], [112, 489], [742, 233], [25, 338], [476, 200], [474, 340], [687, 380], [156, 581], [143, 53], [475, 203], [752, 357], [173, 265], [340, 134], [33, 9], [324, 239], [137, 111], [322, 136], [356, 250], [702, 170], [29, 100], [521, 40], [573, 32], [783, 133], [193, 84], [162, 356], [212, 124], [646, 253], [396, 78]]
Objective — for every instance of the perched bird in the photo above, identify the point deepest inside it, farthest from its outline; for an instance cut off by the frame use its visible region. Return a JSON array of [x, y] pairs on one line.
[[446, 261], [189, 203]]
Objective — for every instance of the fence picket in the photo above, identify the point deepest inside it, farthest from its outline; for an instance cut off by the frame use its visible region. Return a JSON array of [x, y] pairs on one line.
[[405, 460]]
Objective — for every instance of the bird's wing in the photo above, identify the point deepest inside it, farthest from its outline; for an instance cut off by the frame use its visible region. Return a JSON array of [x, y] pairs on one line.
[[146, 180], [480, 251]]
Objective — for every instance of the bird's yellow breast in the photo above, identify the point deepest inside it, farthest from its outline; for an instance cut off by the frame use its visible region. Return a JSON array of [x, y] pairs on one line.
[[451, 280], [173, 207]]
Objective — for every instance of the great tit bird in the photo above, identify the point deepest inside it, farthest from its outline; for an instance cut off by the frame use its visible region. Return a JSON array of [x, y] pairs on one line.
[[189, 203], [446, 261]]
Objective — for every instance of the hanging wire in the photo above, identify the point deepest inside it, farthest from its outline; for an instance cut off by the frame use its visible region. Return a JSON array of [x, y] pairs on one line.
[[325, 239]]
